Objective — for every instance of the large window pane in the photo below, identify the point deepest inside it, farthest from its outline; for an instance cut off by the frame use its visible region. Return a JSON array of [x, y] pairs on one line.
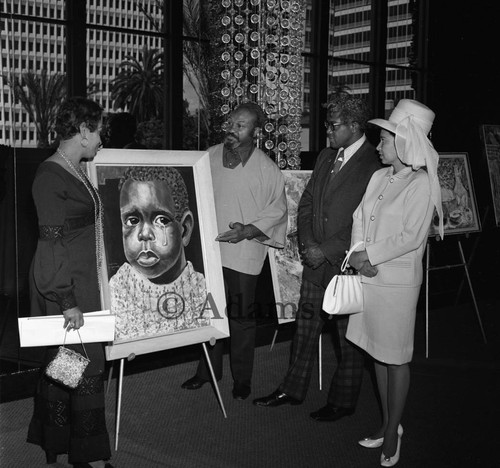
[[33, 61], [42, 9], [350, 49], [146, 15], [125, 65], [399, 50], [350, 46], [199, 32]]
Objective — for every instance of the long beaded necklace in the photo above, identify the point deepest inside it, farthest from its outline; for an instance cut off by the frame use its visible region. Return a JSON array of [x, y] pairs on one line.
[[98, 210]]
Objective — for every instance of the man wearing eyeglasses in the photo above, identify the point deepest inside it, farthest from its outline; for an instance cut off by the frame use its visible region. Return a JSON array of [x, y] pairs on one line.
[[334, 191]]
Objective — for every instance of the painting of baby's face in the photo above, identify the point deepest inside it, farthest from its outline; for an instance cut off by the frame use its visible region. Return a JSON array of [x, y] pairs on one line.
[[152, 237]]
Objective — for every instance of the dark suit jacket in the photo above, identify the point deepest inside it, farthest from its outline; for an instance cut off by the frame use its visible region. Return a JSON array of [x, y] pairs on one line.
[[325, 209]]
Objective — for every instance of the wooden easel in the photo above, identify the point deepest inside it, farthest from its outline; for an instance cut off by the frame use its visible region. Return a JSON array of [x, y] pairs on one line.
[[120, 388], [463, 264]]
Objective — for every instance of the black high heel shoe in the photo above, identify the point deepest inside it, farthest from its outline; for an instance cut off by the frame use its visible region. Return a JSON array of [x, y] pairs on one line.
[[50, 457]]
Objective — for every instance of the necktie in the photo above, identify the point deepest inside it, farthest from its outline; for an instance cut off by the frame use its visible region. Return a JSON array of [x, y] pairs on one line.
[[338, 163]]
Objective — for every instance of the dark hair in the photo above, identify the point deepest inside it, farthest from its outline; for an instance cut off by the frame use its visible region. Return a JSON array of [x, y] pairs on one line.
[[255, 109], [170, 175], [75, 111], [350, 108]]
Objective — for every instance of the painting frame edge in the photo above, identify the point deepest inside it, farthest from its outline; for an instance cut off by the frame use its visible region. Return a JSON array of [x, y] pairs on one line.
[[476, 224], [492, 171], [281, 308], [200, 164]]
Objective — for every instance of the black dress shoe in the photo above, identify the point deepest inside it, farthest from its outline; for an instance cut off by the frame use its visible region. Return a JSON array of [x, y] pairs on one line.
[[277, 398], [331, 413], [241, 391], [194, 383]]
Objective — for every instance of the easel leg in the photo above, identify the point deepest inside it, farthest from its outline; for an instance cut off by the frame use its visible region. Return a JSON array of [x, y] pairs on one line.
[[472, 291], [119, 402], [110, 375], [214, 380], [427, 301], [274, 339], [320, 361], [473, 252]]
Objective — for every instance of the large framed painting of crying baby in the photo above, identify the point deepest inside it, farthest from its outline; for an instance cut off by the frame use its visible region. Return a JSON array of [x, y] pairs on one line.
[[161, 273]]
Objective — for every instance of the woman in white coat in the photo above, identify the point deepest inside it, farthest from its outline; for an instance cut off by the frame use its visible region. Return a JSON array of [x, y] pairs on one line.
[[393, 220]]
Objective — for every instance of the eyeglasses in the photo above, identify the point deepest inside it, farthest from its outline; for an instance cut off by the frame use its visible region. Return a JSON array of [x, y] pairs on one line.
[[332, 127]]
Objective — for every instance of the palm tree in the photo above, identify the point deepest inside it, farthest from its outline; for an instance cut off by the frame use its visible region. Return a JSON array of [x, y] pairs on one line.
[[40, 95], [339, 87], [201, 22], [139, 85]]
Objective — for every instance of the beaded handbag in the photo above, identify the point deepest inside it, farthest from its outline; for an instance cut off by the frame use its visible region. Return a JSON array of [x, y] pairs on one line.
[[68, 366]]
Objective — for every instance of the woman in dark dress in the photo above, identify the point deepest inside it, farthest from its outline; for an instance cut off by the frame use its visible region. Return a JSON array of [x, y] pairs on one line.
[[64, 280]]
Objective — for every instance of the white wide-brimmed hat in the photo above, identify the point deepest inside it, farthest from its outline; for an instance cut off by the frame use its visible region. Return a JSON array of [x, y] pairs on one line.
[[420, 114], [411, 121]]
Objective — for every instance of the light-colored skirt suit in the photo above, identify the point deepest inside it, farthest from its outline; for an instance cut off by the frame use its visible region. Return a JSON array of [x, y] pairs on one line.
[[393, 220]]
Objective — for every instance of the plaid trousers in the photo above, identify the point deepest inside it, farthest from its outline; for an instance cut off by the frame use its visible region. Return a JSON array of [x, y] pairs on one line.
[[346, 382]]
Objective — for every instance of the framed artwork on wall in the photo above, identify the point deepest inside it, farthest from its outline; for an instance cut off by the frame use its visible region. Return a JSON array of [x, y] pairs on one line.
[[490, 137], [460, 214], [161, 272], [286, 266]]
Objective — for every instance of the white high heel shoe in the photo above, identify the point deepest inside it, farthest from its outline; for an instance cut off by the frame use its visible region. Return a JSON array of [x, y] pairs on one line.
[[391, 461], [367, 442]]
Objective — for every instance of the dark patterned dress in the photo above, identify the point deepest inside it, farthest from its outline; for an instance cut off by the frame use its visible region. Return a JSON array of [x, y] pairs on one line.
[[64, 275]]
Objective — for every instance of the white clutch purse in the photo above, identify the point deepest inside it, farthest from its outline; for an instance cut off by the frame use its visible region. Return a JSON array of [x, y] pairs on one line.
[[344, 293]]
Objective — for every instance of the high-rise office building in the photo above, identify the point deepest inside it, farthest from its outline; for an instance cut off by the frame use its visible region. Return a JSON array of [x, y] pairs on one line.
[[349, 48], [33, 36]]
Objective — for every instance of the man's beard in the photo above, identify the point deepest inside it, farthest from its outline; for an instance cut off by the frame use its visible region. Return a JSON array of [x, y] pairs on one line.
[[232, 142]]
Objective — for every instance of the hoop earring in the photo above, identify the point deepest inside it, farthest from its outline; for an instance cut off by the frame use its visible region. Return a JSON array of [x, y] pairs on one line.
[[84, 142]]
